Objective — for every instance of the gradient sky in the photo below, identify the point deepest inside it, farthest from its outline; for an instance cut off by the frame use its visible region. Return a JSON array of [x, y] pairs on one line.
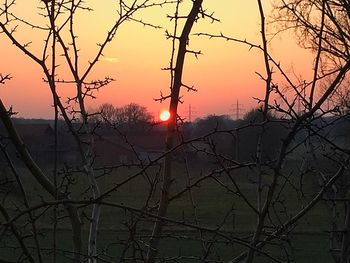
[[224, 73]]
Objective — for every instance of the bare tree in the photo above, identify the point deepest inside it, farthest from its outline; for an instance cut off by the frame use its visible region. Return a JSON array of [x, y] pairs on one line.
[[246, 207], [61, 40], [323, 27], [176, 84], [129, 115]]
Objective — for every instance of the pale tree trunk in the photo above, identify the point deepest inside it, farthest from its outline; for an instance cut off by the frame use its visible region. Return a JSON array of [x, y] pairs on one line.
[[43, 180], [344, 253], [88, 158], [262, 207], [95, 214], [96, 210]]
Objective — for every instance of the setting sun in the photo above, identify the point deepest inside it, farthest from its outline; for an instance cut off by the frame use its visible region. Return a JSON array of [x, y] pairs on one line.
[[164, 115]]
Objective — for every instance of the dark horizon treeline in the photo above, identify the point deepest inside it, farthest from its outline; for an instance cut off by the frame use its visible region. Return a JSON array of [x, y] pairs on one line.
[[126, 135]]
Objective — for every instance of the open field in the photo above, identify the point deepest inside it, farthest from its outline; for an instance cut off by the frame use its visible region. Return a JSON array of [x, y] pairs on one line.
[[306, 247], [213, 204]]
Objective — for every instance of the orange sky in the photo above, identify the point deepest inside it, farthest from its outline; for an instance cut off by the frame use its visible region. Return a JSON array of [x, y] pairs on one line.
[[224, 73]]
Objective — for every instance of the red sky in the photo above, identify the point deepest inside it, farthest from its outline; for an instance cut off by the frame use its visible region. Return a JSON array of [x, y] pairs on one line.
[[225, 73]]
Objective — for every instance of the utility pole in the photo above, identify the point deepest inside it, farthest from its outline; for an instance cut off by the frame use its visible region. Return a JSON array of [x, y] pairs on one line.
[[237, 109]]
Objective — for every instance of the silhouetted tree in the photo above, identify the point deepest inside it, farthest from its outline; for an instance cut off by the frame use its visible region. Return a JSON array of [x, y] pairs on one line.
[[154, 202], [323, 27], [129, 116], [108, 112], [135, 114], [61, 48]]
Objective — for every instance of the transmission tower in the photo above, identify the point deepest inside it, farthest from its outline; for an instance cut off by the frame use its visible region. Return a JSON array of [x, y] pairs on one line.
[[191, 112], [237, 110]]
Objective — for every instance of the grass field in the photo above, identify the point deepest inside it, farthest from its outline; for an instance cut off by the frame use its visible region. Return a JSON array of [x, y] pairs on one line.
[[305, 248], [213, 201]]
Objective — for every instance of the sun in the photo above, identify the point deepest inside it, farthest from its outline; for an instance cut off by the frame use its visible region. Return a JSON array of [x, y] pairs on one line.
[[164, 115]]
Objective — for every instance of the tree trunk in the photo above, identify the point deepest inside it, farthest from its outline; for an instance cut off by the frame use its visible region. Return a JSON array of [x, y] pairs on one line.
[[171, 130]]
